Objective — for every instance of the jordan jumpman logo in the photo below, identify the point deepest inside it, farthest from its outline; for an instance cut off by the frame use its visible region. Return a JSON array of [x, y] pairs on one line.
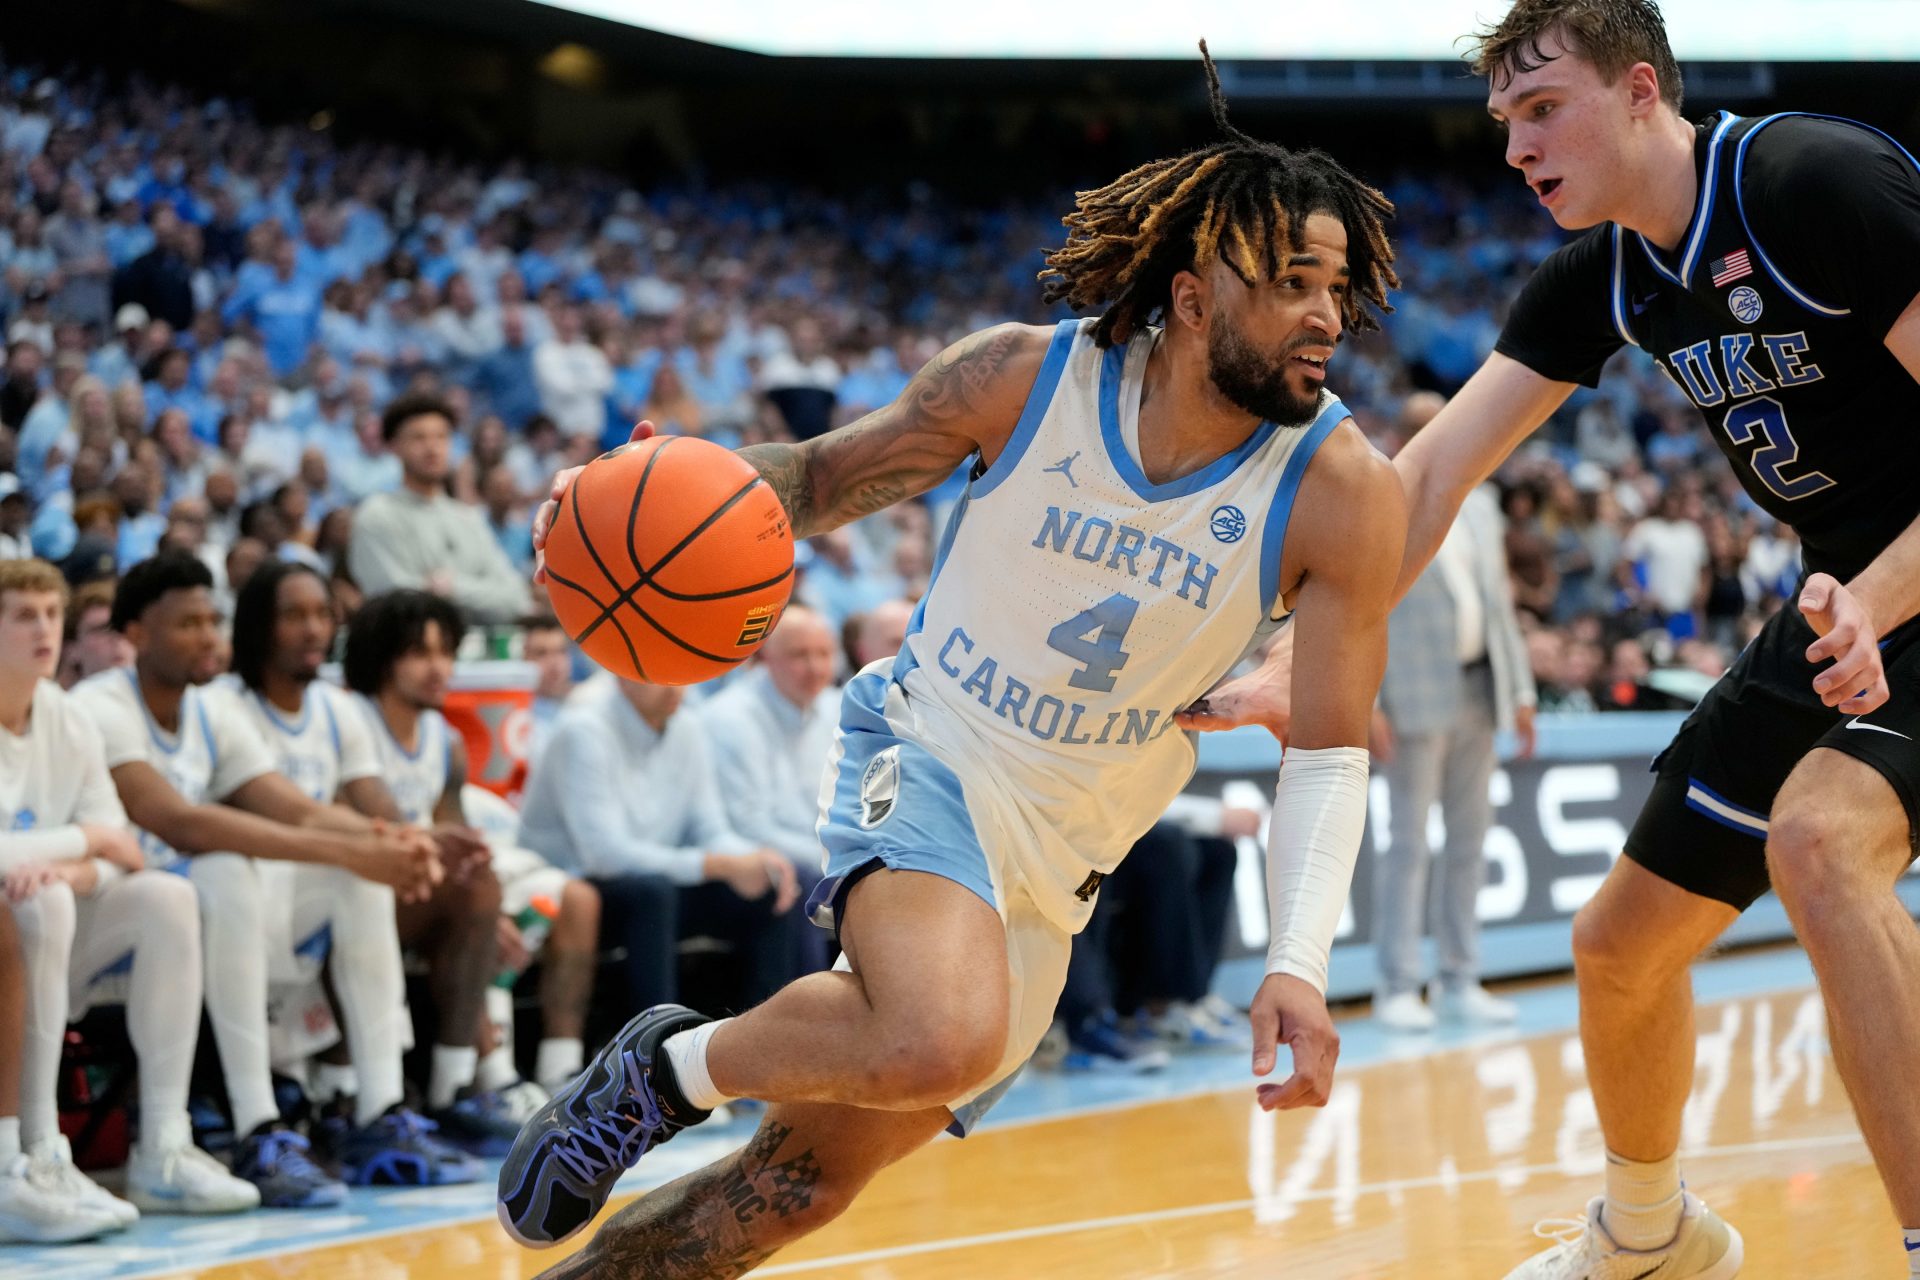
[[1065, 468]]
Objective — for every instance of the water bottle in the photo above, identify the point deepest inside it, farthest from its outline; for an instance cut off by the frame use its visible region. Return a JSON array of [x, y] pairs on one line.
[[535, 922]]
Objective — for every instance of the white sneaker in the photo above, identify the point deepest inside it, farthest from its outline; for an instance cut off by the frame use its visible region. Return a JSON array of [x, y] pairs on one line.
[[521, 1099], [52, 1160], [1473, 1003], [185, 1179], [35, 1209], [1403, 1012], [1705, 1248]]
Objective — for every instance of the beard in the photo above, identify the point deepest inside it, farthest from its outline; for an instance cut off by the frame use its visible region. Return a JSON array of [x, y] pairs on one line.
[[1253, 383]]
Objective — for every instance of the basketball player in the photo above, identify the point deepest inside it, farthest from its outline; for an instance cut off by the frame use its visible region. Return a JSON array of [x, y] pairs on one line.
[[1151, 491], [83, 906], [1772, 268], [283, 629], [198, 782], [399, 658]]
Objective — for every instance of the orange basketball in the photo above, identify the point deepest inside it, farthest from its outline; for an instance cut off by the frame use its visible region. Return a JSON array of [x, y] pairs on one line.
[[669, 560]]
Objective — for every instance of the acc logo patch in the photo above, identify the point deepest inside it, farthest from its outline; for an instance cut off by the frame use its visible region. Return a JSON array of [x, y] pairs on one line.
[[879, 787], [760, 620], [1745, 304], [1229, 524]]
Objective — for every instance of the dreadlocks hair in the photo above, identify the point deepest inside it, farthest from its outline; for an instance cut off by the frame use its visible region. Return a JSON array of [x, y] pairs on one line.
[[1239, 201]]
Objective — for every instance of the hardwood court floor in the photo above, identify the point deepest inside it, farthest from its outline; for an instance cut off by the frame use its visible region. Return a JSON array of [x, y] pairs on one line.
[[1434, 1167]]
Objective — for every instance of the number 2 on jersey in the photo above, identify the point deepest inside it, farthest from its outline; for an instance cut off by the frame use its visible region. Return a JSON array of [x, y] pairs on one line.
[[1101, 655], [1778, 451]]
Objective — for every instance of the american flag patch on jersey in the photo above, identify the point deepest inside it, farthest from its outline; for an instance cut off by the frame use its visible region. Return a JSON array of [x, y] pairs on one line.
[[1730, 268]]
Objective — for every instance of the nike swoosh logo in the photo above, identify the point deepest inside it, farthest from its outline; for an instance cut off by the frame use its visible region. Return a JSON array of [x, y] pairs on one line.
[[1913, 1246], [1857, 723]]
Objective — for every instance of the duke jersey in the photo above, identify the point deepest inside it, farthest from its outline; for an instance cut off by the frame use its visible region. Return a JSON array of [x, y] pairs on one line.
[[323, 746], [213, 753], [419, 777], [1771, 316], [1076, 606]]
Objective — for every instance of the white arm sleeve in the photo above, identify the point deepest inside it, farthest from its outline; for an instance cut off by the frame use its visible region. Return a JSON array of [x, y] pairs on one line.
[[1319, 812]]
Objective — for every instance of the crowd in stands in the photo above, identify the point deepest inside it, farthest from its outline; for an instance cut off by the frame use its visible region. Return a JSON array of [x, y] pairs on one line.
[[239, 352]]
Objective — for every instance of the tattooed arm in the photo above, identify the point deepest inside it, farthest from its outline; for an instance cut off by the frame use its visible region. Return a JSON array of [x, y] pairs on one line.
[[966, 400]]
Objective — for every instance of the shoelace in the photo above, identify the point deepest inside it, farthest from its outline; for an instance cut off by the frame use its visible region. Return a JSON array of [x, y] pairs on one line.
[[605, 1143], [284, 1151], [1563, 1230]]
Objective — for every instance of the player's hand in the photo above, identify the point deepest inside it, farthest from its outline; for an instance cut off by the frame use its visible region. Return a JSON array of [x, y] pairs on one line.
[[753, 875], [513, 947], [543, 518], [1264, 696], [403, 858], [462, 850], [1526, 730], [1238, 824], [29, 878], [115, 844], [1381, 743], [1290, 1012], [1856, 683]]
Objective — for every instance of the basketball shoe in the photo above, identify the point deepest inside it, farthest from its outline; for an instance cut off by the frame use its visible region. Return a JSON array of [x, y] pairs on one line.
[[38, 1209], [568, 1156], [1705, 1248], [52, 1161]]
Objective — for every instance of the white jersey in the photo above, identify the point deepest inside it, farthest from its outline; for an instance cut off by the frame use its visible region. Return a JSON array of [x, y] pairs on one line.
[[1076, 607], [322, 747], [215, 752], [52, 778], [417, 778]]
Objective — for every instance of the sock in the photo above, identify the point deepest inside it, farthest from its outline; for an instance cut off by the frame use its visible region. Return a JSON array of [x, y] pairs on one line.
[[1909, 1236], [452, 1071], [334, 1080], [166, 1132], [687, 1056], [497, 1067], [496, 1070], [9, 1138], [1644, 1200], [557, 1062]]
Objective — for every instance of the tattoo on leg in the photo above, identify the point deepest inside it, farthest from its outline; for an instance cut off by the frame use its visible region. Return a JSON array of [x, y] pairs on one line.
[[715, 1224]]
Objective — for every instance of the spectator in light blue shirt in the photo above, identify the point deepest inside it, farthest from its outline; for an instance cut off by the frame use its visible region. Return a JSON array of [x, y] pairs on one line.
[[284, 309], [626, 795], [772, 731]]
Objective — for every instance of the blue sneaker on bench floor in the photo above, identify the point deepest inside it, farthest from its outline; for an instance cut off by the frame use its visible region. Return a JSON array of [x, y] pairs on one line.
[[399, 1150], [568, 1156]]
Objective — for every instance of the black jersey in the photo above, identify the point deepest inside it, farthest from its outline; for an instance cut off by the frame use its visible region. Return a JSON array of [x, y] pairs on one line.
[[1771, 315]]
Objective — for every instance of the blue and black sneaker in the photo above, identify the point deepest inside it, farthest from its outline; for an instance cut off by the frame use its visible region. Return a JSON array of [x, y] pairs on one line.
[[399, 1150], [274, 1158], [483, 1121], [569, 1155]]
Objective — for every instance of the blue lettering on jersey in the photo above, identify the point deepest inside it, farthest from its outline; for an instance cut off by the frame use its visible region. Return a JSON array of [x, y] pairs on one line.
[[24, 820], [1096, 540], [1708, 382], [1047, 717]]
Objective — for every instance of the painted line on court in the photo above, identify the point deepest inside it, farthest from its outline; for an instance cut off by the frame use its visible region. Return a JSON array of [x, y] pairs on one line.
[[1240, 1206]]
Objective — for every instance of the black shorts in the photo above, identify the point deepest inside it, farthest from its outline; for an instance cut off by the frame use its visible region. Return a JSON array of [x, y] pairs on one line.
[[1704, 827]]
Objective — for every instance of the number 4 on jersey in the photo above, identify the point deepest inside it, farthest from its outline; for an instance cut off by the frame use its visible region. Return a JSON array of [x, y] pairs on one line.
[[1101, 655]]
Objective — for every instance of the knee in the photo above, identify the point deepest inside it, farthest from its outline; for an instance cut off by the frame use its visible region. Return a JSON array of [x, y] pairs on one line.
[[167, 901], [46, 920], [1814, 871], [225, 883], [580, 909], [1609, 949], [477, 895], [927, 1061]]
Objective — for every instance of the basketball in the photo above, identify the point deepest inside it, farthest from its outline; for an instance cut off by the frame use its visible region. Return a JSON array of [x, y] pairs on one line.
[[669, 560]]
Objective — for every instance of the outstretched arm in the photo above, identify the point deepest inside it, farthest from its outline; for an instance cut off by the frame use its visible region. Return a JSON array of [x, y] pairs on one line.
[[1349, 530], [1500, 406]]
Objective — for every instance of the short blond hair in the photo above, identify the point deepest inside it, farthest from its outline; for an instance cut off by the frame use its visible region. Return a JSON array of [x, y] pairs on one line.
[[32, 575]]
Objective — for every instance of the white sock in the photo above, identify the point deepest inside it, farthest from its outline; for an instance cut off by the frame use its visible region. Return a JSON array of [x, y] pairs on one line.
[[9, 1138], [233, 947], [557, 1061], [46, 923], [453, 1070], [497, 1069], [1909, 1236], [333, 1080], [687, 1051], [368, 979], [1644, 1202]]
